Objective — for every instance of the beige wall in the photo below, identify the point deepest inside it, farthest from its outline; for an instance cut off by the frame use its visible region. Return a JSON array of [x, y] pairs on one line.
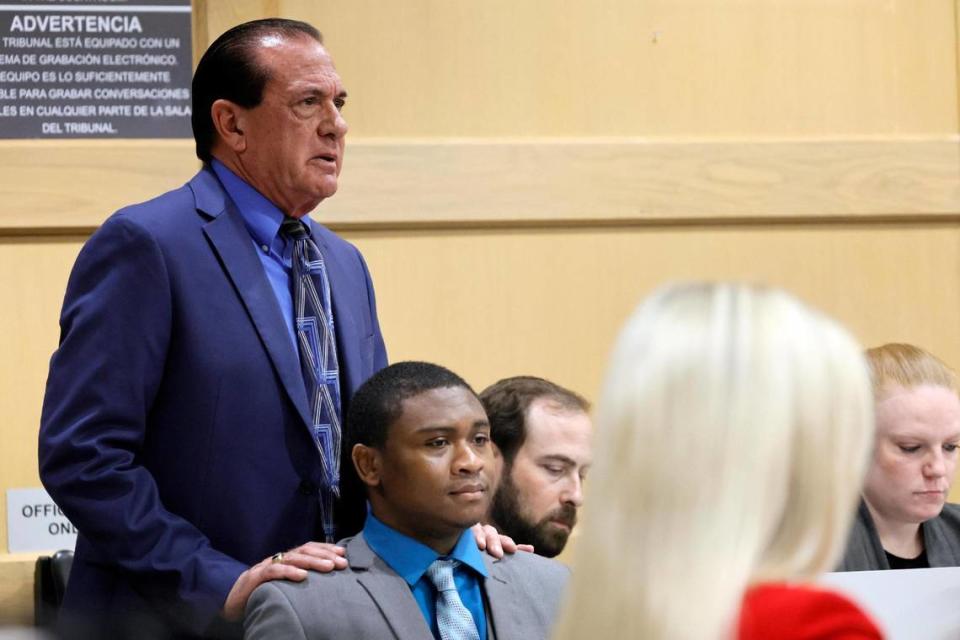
[[520, 175], [550, 302], [686, 68]]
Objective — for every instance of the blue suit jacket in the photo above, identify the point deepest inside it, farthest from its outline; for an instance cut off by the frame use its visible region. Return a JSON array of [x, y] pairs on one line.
[[175, 423]]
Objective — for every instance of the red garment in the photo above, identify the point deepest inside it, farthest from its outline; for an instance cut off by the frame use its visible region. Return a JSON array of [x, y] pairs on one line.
[[802, 613]]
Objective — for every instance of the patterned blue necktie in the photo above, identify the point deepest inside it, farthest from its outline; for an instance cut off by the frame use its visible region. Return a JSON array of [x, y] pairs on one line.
[[453, 618], [318, 359]]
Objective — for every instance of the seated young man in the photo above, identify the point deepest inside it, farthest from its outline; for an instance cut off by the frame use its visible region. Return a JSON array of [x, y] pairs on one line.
[[421, 446]]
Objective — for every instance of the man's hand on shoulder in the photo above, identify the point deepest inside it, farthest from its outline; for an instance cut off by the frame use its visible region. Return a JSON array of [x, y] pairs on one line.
[[491, 541], [289, 565]]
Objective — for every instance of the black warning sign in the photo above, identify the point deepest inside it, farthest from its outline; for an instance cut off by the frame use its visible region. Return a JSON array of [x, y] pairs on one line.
[[95, 69]]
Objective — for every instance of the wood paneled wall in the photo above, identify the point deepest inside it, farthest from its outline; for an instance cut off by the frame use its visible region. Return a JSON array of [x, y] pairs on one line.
[[519, 175]]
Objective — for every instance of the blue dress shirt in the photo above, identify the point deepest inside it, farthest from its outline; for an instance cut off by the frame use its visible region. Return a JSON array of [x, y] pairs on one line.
[[410, 560], [262, 219]]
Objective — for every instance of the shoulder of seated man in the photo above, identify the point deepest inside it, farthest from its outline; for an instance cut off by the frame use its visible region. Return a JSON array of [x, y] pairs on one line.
[[519, 564], [523, 561]]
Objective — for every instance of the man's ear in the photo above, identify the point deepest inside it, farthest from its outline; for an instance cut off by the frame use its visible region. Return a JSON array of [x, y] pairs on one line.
[[228, 120], [367, 462]]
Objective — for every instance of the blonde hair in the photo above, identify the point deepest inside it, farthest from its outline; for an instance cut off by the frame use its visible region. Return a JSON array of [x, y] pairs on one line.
[[733, 432], [907, 366]]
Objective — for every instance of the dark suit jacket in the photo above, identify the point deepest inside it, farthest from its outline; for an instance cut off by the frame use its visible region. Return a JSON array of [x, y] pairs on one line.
[[369, 600], [941, 541], [175, 423]]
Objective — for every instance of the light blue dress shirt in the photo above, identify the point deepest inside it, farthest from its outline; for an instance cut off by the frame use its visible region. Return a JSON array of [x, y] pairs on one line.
[[410, 560]]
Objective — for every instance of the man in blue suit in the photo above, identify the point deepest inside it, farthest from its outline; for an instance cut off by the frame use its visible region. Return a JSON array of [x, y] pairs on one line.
[[177, 433]]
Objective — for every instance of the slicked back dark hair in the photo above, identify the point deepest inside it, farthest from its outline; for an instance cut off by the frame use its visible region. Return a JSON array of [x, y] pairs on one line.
[[507, 402], [230, 69], [378, 403]]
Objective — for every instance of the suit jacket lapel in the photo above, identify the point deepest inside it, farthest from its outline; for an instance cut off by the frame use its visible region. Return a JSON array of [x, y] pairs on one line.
[[491, 628], [231, 241], [389, 591], [510, 619]]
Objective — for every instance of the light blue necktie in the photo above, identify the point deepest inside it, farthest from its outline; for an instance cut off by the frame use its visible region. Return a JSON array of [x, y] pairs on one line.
[[453, 618], [317, 344]]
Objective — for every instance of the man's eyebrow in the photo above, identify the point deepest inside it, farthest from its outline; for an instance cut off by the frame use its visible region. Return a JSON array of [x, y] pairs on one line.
[[435, 427], [316, 90], [558, 457], [442, 428]]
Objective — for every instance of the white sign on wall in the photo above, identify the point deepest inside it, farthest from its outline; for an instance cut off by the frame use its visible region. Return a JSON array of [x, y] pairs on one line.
[[36, 523]]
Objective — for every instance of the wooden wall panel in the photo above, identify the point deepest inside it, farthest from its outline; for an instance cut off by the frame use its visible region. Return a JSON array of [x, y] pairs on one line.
[[586, 181], [656, 68], [436, 182], [755, 107], [34, 278], [492, 303], [16, 592], [211, 18], [73, 185]]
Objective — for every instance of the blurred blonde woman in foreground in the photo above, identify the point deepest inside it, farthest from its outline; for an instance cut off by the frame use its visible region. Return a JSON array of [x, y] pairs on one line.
[[733, 434]]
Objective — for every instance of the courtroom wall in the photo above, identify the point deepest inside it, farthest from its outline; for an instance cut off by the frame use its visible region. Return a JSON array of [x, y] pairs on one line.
[[519, 175]]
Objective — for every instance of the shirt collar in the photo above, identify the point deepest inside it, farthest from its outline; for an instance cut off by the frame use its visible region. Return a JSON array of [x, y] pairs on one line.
[[260, 215], [410, 558]]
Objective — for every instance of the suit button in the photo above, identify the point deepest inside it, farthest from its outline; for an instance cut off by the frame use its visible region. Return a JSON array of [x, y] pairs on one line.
[[307, 488]]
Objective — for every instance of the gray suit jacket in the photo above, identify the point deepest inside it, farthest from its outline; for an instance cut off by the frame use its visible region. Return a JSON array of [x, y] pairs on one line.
[[369, 601], [941, 540]]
